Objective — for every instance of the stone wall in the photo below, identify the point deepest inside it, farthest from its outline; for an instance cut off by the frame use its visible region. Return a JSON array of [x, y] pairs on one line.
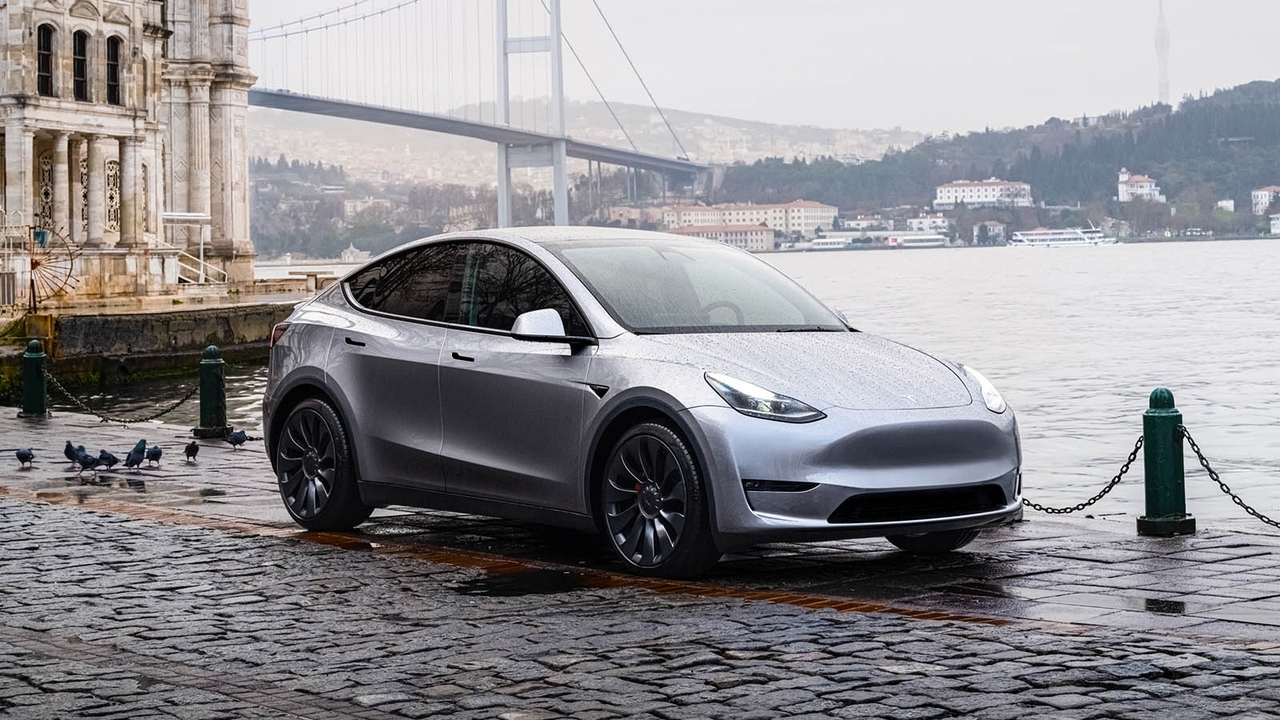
[[165, 332]]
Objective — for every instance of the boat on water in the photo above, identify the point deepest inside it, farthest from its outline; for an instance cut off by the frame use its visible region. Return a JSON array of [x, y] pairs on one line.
[[823, 243], [919, 240], [1066, 237]]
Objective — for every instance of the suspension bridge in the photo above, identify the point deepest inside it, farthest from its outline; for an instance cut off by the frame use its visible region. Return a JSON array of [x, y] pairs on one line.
[[461, 67]]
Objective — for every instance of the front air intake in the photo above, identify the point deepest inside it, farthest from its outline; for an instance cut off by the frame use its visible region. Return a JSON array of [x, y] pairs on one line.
[[919, 504]]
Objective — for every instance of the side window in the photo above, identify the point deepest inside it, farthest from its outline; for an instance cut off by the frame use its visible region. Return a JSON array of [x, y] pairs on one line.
[[417, 283], [501, 283]]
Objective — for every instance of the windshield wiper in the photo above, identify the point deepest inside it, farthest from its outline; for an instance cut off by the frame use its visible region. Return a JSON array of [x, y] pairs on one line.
[[810, 328]]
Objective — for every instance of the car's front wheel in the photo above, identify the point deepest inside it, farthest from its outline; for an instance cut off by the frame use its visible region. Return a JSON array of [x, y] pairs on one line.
[[315, 471], [934, 543], [654, 504]]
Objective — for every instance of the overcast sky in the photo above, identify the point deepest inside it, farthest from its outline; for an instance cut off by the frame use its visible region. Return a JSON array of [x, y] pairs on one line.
[[929, 65]]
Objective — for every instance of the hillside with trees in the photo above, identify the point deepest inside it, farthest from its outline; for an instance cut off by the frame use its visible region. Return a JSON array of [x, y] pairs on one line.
[[1210, 148]]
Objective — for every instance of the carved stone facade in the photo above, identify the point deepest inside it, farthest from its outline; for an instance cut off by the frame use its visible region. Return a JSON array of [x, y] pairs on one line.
[[116, 112]]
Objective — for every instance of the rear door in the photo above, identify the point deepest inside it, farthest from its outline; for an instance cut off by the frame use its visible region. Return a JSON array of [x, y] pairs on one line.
[[386, 363], [513, 409]]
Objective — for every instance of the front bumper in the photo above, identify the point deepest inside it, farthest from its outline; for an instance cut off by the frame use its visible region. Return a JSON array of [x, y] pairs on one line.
[[857, 473]]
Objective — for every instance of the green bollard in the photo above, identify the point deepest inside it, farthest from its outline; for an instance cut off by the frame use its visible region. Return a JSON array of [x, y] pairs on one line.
[[35, 391], [213, 396], [1165, 480]]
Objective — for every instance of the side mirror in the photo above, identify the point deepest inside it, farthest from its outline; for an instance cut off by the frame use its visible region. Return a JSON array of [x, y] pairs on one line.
[[544, 326]]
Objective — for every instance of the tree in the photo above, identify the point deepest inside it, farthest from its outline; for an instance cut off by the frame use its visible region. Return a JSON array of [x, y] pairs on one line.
[[984, 234]]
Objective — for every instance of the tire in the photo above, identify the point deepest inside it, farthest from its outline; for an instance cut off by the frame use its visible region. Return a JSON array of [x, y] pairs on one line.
[[314, 470], [934, 543], [653, 505]]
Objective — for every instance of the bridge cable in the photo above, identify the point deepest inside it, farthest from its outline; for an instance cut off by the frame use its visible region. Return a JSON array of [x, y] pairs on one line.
[[336, 23], [304, 20], [592, 80], [661, 114]]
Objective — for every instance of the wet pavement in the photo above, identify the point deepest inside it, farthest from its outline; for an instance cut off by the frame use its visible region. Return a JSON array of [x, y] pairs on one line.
[[184, 591]]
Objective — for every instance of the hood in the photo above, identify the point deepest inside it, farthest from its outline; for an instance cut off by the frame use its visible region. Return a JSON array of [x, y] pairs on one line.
[[851, 370]]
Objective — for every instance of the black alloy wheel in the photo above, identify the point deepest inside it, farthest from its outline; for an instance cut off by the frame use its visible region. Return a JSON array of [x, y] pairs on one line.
[[315, 471], [654, 505]]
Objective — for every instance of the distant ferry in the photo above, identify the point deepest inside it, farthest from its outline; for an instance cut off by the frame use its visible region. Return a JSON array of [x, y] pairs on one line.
[[1060, 238], [919, 241], [829, 244]]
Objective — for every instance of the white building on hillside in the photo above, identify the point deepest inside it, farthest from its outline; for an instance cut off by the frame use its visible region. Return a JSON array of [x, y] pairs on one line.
[[983, 193], [752, 238], [1137, 187], [995, 232], [1275, 224], [1263, 197], [801, 216], [867, 222], [929, 223]]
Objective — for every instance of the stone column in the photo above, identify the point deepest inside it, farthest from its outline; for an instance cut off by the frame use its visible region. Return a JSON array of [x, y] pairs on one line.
[[229, 171], [62, 216], [198, 153], [130, 192], [19, 171], [76, 230], [97, 192]]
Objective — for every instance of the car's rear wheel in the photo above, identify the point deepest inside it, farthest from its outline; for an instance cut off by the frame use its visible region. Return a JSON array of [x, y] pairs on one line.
[[934, 543], [314, 469], [653, 504]]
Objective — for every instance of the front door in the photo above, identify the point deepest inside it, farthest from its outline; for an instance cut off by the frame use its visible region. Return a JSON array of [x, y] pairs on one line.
[[513, 409]]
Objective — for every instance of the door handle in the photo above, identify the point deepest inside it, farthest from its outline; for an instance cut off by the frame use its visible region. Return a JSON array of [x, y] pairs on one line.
[[357, 343], [463, 358]]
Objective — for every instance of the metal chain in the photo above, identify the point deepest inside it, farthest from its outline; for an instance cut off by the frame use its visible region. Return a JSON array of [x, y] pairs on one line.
[[107, 418], [1110, 486], [1204, 463]]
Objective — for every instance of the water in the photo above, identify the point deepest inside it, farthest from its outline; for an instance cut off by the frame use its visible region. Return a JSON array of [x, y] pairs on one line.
[[1075, 338], [245, 386]]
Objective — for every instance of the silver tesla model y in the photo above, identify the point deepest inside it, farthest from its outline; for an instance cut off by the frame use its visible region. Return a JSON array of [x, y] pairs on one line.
[[679, 396]]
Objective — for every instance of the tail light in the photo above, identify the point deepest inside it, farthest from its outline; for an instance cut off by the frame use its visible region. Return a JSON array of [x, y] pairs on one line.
[[277, 332]]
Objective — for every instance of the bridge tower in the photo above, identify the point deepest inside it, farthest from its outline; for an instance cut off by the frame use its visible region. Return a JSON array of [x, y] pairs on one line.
[[547, 155]]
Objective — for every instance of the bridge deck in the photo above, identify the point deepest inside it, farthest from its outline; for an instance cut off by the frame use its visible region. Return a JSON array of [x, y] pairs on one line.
[[293, 102]]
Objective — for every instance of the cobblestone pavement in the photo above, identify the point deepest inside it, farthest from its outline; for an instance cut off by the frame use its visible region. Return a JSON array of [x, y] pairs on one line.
[[108, 616], [1090, 571]]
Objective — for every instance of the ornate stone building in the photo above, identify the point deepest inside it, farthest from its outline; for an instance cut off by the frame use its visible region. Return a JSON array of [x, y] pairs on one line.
[[118, 114]]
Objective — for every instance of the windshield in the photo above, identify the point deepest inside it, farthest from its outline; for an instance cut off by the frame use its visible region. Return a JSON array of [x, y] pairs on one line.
[[690, 286]]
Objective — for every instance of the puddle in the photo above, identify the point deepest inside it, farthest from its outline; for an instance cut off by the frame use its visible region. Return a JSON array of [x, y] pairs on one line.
[[528, 582], [975, 588]]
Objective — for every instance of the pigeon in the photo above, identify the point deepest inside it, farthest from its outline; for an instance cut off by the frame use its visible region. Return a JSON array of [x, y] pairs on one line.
[[87, 461], [25, 456], [237, 439], [136, 455], [192, 449], [153, 455], [108, 460], [69, 452]]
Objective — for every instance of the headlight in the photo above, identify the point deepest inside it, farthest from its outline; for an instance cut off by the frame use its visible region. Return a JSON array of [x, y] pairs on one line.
[[755, 401], [990, 395]]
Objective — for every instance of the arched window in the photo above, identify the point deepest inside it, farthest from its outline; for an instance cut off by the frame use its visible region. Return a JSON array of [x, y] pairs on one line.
[[80, 68], [114, 46], [44, 60]]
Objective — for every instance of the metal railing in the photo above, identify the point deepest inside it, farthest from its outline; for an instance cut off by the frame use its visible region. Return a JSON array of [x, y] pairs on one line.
[[1165, 475]]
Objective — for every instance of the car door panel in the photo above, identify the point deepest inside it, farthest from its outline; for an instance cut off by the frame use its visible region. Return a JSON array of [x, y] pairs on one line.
[[387, 362], [512, 409], [513, 415], [390, 371]]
